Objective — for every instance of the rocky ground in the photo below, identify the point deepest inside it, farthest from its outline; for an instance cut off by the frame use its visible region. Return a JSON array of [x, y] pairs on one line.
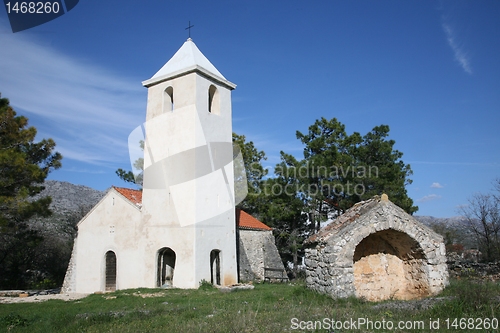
[[40, 298]]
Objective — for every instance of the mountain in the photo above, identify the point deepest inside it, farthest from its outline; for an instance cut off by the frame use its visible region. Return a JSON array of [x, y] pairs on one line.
[[455, 230], [70, 203], [67, 197], [454, 221]]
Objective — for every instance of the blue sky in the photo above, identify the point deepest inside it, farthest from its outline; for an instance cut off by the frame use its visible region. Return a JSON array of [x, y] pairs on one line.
[[428, 69]]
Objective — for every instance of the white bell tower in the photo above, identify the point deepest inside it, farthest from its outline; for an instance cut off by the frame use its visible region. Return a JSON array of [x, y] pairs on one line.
[[188, 213]]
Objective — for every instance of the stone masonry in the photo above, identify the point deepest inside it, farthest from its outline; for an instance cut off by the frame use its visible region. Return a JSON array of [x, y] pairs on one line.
[[257, 251], [376, 251]]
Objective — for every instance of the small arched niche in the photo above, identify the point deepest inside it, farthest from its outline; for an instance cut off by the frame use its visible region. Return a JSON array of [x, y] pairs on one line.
[[215, 267], [110, 271], [168, 99], [166, 267], [389, 264], [213, 100]]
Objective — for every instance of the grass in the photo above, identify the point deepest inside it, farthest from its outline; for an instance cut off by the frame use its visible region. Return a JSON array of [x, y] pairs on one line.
[[267, 308]]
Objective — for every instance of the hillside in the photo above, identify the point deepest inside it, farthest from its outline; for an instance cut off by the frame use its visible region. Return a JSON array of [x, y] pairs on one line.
[[50, 255], [454, 229], [449, 221], [67, 197]]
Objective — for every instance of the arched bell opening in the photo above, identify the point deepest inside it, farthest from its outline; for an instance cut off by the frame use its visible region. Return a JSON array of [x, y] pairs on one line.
[[213, 100], [168, 99]]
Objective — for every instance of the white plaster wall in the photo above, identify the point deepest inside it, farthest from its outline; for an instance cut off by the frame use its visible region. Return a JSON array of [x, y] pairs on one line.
[[187, 204], [111, 225], [217, 234]]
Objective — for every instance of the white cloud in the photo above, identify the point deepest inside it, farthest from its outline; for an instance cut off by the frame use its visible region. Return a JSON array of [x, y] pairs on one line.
[[436, 185], [87, 110], [429, 197], [89, 171], [460, 55]]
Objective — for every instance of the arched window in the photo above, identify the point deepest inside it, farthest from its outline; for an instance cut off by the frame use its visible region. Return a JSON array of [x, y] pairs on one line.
[[168, 99], [215, 267], [166, 266], [213, 100], [110, 277]]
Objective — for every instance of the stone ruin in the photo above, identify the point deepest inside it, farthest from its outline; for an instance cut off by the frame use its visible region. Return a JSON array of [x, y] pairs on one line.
[[376, 251], [467, 264]]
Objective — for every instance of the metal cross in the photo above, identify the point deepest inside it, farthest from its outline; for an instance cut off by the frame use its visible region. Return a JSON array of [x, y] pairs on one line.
[[189, 28]]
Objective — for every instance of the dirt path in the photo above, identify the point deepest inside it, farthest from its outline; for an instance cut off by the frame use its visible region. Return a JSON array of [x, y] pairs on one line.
[[41, 298]]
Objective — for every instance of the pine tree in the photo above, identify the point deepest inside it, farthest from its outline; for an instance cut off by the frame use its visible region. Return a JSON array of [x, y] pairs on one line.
[[254, 172], [24, 166], [344, 169]]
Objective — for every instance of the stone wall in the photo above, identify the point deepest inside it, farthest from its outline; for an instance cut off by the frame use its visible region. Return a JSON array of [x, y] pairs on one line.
[[251, 261], [69, 284], [461, 266], [257, 250], [385, 276], [357, 257]]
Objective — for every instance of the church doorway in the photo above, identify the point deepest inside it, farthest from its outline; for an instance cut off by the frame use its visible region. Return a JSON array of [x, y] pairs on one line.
[[215, 267], [166, 266], [110, 278]]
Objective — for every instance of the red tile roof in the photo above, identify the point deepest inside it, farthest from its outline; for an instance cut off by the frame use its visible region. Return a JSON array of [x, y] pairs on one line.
[[244, 220], [247, 221], [134, 196]]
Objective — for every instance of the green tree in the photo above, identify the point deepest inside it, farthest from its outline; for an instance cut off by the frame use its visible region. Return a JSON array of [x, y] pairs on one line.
[[254, 171], [285, 211], [129, 176], [339, 170], [324, 172], [384, 171], [252, 158], [24, 166]]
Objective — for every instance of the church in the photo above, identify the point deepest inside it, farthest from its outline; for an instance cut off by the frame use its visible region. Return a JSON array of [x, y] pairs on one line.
[[182, 228]]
